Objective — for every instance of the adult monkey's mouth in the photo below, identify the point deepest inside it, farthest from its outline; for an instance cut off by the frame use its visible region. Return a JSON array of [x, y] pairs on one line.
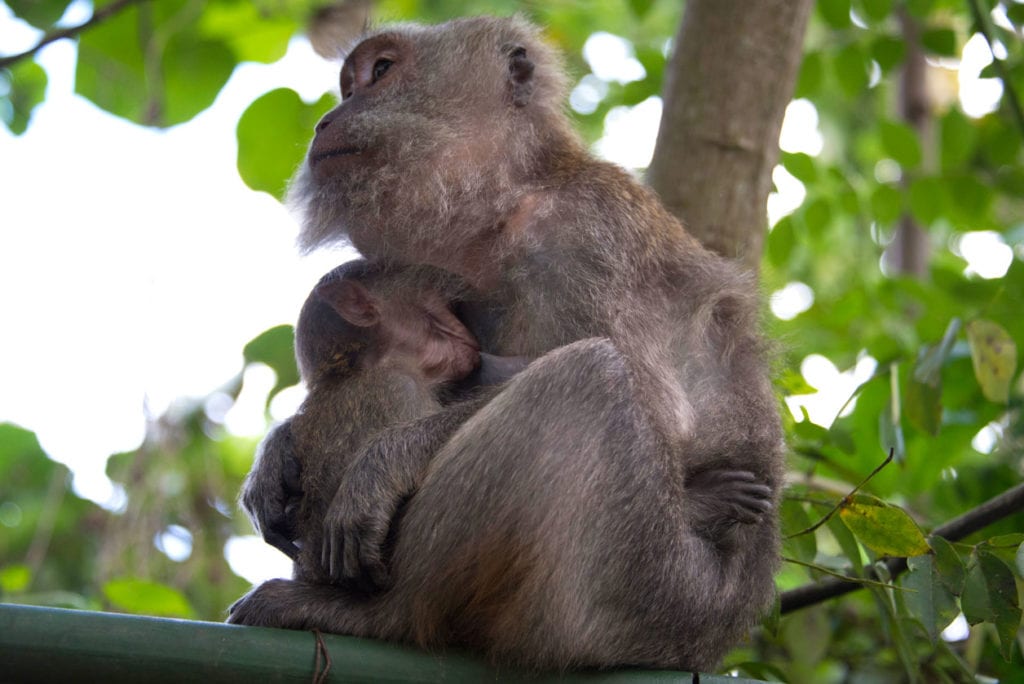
[[318, 157]]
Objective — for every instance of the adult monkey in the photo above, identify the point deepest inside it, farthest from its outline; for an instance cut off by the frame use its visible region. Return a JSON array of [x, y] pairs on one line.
[[615, 502]]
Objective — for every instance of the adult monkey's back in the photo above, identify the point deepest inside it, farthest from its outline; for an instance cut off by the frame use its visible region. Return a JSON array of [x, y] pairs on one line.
[[615, 503]]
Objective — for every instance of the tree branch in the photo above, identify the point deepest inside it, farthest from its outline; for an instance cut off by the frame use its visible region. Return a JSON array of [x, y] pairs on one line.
[[995, 509], [98, 16]]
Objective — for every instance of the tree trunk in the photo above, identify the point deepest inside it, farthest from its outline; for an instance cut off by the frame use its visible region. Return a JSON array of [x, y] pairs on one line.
[[726, 89], [910, 251]]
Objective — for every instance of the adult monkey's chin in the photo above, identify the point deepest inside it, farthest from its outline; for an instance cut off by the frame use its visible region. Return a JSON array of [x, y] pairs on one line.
[[315, 204]]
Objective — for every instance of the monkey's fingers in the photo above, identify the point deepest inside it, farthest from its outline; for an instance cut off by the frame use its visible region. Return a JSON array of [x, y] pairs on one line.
[[749, 508], [330, 551], [752, 492], [729, 477], [350, 558], [371, 564], [282, 543]]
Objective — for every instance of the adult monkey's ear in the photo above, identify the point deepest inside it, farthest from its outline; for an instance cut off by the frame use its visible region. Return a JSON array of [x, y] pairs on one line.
[[520, 75], [335, 28]]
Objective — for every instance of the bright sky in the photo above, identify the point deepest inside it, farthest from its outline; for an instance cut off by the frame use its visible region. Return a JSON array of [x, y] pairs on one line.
[[135, 264]]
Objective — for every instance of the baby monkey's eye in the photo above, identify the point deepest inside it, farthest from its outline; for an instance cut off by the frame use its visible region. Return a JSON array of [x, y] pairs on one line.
[[380, 67]]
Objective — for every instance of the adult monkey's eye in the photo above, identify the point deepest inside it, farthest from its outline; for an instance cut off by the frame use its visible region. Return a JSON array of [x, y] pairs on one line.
[[380, 67]]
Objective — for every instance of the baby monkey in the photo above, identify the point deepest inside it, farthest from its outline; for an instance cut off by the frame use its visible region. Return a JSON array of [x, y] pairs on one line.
[[377, 348]]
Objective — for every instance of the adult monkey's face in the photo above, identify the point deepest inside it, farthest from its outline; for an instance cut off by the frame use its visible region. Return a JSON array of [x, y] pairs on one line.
[[437, 126]]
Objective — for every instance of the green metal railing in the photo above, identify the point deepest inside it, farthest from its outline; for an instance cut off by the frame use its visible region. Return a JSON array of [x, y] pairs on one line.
[[57, 645]]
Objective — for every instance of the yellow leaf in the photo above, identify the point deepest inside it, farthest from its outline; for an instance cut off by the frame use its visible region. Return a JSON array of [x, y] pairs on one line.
[[885, 529], [995, 358]]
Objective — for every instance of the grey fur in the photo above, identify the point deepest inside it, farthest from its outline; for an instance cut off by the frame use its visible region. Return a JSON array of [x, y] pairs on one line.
[[616, 502]]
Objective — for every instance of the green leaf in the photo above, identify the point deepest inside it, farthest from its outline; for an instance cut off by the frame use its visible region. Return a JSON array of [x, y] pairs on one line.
[[1006, 541], [275, 348], [876, 10], [970, 199], [255, 32], [794, 519], [886, 204], [1010, 181], [842, 439], [40, 13], [927, 598], [111, 68], [1001, 143], [851, 68], [817, 215], [653, 61], [811, 76], [14, 579], [888, 51], [17, 445], [781, 242], [920, 8], [926, 197], [1019, 561], [640, 8], [885, 529], [990, 595], [836, 13], [26, 90], [900, 142], [635, 92], [940, 41], [273, 134], [994, 355], [194, 71], [143, 597], [806, 635], [957, 137], [801, 166], [948, 563], [150, 65], [791, 381], [924, 390], [810, 432], [924, 406], [847, 542], [1015, 13]]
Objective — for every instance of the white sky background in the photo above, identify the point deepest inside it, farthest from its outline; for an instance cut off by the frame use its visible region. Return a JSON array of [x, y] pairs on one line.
[[135, 264]]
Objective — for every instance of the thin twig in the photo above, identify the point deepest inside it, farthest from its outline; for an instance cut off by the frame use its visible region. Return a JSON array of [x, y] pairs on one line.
[[997, 508], [839, 576], [984, 27], [98, 16], [846, 499]]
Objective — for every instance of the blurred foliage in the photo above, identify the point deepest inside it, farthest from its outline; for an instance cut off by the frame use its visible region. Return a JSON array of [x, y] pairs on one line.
[[946, 347]]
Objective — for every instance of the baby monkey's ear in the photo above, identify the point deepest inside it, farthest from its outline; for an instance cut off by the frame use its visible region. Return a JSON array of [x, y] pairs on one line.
[[351, 300]]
